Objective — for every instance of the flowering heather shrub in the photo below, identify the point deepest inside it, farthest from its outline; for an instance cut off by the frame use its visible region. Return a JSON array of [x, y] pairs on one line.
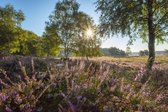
[[154, 92], [23, 95], [76, 86]]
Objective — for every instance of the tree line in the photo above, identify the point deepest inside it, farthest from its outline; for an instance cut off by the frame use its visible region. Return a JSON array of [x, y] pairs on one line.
[[16, 40], [65, 31], [113, 51]]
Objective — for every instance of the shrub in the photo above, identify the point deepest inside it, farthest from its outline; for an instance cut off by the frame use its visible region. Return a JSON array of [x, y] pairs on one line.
[[76, 86]]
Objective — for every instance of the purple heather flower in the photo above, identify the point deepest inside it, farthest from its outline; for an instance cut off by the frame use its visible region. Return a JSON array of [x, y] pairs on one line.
[[1, 81], [20, 63], [79, 97], [106, 109], [27, 106], [3, 97], [72, 106], [8, 109], [158, 98], [139, 75], [82, 65], [146, 93]]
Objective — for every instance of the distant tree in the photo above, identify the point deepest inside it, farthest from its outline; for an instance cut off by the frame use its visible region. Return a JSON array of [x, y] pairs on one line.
[[51, 41], [34, 45], [13, 38], [166, 50], [105, 51], [86, 44], [27, 43], [10, 21], [63, 19], [116, 52], [144, 53], [128, 50], [71, 26], [147, 19], [18, 46], [87, 47]]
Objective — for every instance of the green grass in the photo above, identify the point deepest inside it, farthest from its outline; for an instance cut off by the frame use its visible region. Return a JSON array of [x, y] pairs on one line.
[[142, 59]]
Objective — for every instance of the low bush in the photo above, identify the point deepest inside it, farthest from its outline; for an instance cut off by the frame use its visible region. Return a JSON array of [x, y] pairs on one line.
[[77, 86]]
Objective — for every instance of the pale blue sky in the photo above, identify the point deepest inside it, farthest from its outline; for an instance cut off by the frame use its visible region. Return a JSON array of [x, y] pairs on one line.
[[37, 12]]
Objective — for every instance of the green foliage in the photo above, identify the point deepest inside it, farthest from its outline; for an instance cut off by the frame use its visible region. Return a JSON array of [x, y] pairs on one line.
[[128, 51], [63, 22], [84, 44], [144, 53], [166, 50], [130, 18], [116, 52], [146, 19], [10, 20], [135, 101], [70, 29], [113, 51], [105, 51], [28, 43], [118, 93], [88, 47], [51, 41], [13, 38]]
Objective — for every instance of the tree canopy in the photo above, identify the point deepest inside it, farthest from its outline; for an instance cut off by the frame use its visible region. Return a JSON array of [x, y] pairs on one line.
[[10, 20], [66, 31], [128, 51], [116, 52], [51, 41], [62, 19], [13, 38], [86, 43], [71, 25], [146, 19], [143, 52]]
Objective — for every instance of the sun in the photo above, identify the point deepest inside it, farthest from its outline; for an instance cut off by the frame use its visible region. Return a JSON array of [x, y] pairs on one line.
[[89, 32]]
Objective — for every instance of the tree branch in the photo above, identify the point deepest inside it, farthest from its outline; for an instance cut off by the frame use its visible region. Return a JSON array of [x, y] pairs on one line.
[[157, 31], [159, 6], [160, 20]]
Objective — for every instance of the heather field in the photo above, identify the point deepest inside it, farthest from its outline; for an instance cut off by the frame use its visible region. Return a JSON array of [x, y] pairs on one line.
[[137, 62], [83, 56], [99, 85], [142, 59]]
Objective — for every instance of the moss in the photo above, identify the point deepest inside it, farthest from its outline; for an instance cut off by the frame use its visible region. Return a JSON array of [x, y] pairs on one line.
[[118, 93], [135, 101]]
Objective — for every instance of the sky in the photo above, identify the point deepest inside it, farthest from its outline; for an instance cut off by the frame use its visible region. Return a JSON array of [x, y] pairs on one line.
[[37, 12]]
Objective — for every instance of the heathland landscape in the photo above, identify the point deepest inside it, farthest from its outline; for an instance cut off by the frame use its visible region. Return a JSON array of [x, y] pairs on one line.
[[67, 69]]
